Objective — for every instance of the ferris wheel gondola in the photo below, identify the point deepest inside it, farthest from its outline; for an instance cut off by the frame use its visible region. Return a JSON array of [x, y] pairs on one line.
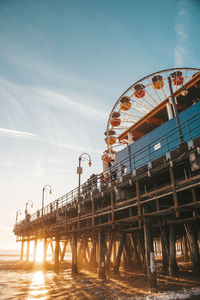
[[139, 100]]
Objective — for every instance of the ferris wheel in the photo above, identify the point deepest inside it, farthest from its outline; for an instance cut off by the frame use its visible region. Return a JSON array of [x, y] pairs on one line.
[[140, 99]]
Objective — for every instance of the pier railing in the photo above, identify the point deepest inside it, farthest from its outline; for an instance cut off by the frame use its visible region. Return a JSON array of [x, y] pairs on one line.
[[161, 146]]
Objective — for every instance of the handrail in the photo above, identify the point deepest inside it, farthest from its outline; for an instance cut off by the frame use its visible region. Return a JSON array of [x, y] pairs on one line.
[[169, 142]]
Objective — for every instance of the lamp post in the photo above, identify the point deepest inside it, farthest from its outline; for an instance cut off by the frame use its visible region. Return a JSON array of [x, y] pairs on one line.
[[173, 102], [27, 203], [18, 213], [43, 190], [79, 168]]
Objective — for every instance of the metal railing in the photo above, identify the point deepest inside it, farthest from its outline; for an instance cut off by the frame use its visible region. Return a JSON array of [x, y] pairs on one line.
[[145, 156]]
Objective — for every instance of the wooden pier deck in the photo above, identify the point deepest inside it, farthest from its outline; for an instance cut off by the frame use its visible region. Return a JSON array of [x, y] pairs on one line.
[[127, 220]]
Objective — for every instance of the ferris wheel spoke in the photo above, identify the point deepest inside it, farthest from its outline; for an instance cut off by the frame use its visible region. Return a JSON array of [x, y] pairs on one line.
[[127, 120], [149, 102], [141, 98], [155, 92], [139, 101], [131, 115], [142, 110], [148, 94]]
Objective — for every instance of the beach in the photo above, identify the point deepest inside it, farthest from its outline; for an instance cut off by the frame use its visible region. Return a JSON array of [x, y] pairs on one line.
[[19, 280]]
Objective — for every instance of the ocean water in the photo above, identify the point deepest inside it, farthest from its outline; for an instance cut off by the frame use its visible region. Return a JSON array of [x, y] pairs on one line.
[[19, 282]]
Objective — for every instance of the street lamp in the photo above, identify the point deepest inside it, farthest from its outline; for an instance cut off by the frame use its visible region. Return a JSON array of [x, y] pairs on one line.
[[27, 203], [18, 213], [173, 102], [184, 91], [43, 190], [79, 168]]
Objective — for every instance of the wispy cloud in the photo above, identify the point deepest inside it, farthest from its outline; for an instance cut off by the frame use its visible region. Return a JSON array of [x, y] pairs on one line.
[[15, 93], [76, 147], [181, 34], [61, 100], [18, 134]]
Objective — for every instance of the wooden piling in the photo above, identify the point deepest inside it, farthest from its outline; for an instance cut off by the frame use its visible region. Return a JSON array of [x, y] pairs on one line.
[[22, 250], [119, 254], [194, 249], [56, 261], [93, 258], [149, 252], [74, 254], [173, 268], [165, 256], [136, 258], [128, 253], [165, 248], [109, 252], [102, 244]]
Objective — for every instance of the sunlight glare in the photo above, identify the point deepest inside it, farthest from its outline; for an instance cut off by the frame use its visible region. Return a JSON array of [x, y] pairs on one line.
[[37, 287], [39, 252]]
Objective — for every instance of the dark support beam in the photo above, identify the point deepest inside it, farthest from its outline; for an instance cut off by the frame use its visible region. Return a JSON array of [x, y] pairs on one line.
[[165, 248], [109, 250], [93, 258], [186, 255], [137, 258], [128, 252], [119, 254], [93, 210], [194, 199], [173, 268], [102, 245], [175, 197], [74, 254], [112, 209], [194, 249], [165, 256], [56, 262], [141, 247], [138, 201], [149, 252]]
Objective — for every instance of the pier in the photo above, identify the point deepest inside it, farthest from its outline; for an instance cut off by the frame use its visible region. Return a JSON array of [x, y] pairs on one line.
[[132, 214], [127, 220]]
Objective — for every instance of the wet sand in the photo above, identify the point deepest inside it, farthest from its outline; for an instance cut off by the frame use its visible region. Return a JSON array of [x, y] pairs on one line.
[[32, 283]]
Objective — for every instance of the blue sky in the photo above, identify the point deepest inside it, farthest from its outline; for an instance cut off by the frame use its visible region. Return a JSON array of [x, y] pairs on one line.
[[63, 65]]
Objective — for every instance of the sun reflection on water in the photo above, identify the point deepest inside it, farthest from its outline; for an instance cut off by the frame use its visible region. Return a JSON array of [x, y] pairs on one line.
[[38, 288]]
